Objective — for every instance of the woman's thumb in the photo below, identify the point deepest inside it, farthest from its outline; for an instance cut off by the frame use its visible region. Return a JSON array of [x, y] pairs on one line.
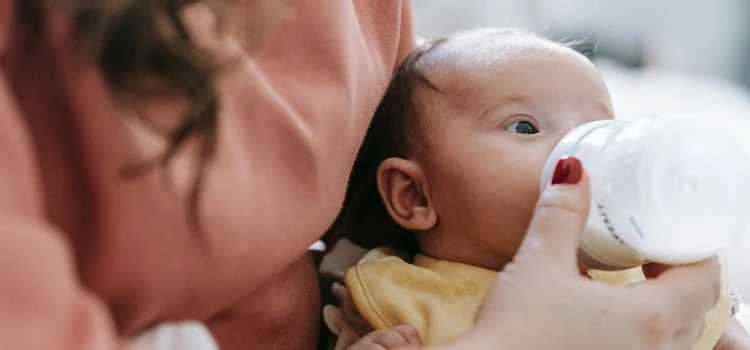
[[559, 218]]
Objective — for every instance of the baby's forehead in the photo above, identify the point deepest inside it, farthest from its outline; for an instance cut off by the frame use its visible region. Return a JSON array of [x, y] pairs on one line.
[[454, 65], [485, 49]]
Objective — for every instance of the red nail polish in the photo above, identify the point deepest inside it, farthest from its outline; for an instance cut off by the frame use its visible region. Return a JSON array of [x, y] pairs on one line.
[[568, 171]]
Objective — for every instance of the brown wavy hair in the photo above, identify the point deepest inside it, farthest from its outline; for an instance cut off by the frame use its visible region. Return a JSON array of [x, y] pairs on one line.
[[144, 50]]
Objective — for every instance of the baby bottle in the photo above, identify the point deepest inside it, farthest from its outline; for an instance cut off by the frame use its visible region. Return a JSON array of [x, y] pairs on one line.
[[672, 189]]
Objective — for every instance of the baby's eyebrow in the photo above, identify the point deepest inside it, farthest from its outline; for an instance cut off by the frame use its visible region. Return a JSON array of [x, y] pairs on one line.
[[512, 98], [516, 98]]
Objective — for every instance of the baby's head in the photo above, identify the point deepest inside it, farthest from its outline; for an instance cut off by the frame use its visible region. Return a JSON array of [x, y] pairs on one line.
[[456, 149]]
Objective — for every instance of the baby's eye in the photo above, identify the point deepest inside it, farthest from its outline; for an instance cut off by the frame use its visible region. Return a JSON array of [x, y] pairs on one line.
[[522, 127]]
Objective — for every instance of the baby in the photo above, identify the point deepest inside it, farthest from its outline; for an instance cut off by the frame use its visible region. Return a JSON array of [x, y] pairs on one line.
[[449, 174]]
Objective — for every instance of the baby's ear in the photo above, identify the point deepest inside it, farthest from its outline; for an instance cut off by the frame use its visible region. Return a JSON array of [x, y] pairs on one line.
[[403, 189]]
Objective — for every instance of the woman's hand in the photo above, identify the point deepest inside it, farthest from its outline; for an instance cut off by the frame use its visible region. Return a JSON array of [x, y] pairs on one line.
[[540, 301]]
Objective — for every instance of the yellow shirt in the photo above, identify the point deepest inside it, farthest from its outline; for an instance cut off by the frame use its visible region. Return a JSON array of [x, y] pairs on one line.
[[441, 298]]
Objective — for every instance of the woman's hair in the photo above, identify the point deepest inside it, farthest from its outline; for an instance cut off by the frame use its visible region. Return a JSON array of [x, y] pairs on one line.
[[395, 131], [144, 51]]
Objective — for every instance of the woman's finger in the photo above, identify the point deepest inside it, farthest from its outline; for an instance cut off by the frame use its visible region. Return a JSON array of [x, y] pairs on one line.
[[683, 294], [559, 219]]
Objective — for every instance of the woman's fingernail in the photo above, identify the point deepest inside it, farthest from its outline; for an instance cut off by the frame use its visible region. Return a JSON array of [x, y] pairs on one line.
[[568, 171]]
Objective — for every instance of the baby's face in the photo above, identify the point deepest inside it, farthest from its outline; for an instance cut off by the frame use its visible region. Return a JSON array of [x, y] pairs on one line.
[[490, 132]]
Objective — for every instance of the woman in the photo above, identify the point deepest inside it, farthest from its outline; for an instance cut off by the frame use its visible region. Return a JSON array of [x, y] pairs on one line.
[[171, 160]]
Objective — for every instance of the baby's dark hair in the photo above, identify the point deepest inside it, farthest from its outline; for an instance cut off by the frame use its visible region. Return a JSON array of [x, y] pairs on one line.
[[394, 132]]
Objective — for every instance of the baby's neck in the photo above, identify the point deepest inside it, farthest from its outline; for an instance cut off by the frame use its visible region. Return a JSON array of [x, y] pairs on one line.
[[465, 254]]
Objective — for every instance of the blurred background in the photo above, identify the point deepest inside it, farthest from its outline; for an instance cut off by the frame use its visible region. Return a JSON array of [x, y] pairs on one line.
[[689, 56], [706, 38]]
